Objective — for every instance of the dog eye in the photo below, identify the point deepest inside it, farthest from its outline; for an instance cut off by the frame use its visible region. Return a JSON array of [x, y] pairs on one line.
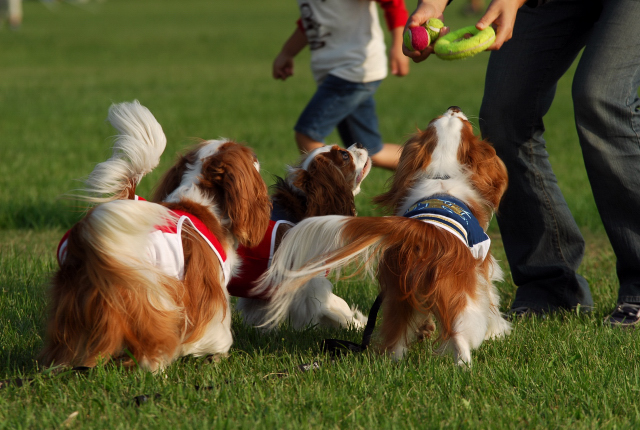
[[345, 155]]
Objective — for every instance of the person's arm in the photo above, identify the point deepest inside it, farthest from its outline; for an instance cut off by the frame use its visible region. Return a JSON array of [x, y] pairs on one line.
[[283, 64], [395, 15], [502, 15], [398, 62]]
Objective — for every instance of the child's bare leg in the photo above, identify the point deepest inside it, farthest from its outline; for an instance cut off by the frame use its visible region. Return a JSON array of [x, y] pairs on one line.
[[388, 156], [306, 144]]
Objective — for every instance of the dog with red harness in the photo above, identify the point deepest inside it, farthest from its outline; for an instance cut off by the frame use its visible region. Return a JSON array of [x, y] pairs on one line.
[[145, 282], [324, 182]]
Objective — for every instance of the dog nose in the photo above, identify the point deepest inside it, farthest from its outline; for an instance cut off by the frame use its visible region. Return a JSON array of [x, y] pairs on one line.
[[359, 145], [455, 109]]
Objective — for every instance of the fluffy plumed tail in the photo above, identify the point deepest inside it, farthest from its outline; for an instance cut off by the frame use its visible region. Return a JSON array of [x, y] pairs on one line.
[[119, 230], [106, 295], [136, 152], [319, 244]]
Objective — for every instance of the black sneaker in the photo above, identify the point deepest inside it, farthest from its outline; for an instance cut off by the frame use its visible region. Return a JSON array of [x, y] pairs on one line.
[[624, 315]]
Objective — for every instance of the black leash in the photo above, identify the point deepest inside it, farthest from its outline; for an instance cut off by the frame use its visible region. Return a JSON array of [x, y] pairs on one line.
[[338, 347]]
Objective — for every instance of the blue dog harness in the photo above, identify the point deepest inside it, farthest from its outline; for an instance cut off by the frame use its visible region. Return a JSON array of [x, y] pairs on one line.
[[452, 215]]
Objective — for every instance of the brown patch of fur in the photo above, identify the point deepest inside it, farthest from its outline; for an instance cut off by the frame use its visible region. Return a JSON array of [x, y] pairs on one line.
[[421, 268], [203, 295], [173, 177], [282, 230], [325, 188], [131, 191], [489, 174], [415, 157], [293, 202], [328, 184], [239, 190]]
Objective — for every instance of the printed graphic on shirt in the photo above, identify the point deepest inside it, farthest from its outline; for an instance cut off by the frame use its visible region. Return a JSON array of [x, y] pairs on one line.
[[312, 27]]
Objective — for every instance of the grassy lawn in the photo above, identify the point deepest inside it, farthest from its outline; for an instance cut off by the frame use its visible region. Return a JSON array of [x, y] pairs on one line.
[[204, 69]]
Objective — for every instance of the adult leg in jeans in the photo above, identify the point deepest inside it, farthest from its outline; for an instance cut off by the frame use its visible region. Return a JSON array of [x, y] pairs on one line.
[[607, 111], [543, 243]]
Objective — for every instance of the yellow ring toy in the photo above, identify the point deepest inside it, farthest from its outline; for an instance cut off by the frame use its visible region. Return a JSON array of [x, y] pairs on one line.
[[456, 45]]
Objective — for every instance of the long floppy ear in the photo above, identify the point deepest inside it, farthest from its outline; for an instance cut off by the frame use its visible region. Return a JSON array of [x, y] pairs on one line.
[[241, 191], [488, 172], [326, 189], [415, 157]]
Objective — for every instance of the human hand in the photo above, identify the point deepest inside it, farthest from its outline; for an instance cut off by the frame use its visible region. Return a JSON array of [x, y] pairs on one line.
[[425, 10], [283, 66], [501, 14], [398, 62]]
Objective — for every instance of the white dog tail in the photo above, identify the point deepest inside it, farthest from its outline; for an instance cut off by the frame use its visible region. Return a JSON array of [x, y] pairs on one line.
[[115, 236], [320, 244], [136, 152]]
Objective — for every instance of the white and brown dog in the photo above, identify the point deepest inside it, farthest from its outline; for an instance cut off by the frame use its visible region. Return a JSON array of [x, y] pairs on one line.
[[432, 257], [324, 182], [148, 280]]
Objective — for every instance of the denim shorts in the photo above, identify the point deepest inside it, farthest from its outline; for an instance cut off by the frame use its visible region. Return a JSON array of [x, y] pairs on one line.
[[347, 106]]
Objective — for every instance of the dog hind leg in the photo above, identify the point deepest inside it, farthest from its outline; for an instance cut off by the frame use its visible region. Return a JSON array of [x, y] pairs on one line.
[[469, 329]]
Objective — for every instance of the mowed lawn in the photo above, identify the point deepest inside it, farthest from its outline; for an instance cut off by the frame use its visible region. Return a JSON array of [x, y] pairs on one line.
[[204, 69]]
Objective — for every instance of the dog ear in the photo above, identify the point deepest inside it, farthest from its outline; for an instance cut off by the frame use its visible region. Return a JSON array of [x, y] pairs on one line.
[[173, 177], [488, 172], [326, 189], [415, 157], [241, 191]]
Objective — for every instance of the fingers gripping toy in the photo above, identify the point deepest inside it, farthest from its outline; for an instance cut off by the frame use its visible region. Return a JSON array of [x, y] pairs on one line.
[[464, 43], [418, 38], [434, 26]]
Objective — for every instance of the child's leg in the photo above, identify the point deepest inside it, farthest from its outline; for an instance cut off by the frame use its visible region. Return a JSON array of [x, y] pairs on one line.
[[388, 156], [306, 144], [334, 101], [361, 126]]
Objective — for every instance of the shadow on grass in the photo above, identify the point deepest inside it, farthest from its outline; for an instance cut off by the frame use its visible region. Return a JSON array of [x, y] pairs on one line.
[[285, 339], [19, 360]]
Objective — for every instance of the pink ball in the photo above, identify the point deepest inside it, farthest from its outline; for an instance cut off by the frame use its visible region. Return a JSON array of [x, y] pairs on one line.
[[416, 38]]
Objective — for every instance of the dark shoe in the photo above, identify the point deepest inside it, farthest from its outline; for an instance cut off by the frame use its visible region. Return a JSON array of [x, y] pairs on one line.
[[524, 312], [625, 315]]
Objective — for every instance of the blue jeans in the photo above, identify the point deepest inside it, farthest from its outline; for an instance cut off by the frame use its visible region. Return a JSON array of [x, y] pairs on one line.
[[349, 106], [543, 243]]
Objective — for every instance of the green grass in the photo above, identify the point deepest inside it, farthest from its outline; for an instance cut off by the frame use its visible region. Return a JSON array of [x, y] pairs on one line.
[[204, 69]]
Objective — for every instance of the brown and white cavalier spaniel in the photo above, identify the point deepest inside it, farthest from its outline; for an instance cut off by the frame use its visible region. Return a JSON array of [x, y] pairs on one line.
[[148, 280], [432, 257], [324, 182]]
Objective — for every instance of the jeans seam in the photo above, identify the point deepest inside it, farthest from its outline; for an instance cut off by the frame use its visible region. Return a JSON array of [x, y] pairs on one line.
[[556, 230], [540, 180]]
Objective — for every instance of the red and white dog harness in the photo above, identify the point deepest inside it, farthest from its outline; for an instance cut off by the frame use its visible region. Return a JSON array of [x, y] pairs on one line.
[[255, 261], [164, 248]]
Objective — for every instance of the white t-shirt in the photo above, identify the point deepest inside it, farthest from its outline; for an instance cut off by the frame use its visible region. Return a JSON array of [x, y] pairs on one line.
[[345, 39]]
